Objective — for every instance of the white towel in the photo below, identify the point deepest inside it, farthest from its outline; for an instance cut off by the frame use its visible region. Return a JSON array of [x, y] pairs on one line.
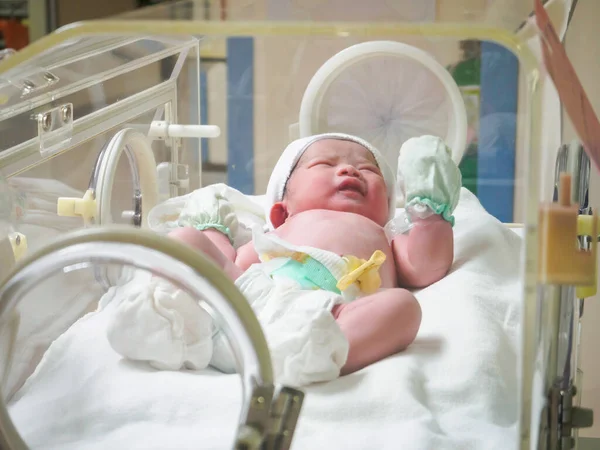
[[454, 388]]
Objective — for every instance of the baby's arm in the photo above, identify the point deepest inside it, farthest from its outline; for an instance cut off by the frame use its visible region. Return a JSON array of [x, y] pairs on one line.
[[424, 254], [217, 247], [208, 223], [430, 178], [213, 244]]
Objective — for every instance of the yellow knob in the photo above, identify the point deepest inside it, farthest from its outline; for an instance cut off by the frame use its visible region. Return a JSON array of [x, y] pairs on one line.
[[72, 207]]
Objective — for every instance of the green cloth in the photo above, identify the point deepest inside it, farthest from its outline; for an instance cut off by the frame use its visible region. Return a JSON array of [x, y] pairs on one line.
[[310, 274]]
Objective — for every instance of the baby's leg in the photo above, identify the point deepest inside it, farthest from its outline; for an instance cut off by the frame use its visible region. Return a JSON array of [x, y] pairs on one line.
[[200, 241], [378, 326]]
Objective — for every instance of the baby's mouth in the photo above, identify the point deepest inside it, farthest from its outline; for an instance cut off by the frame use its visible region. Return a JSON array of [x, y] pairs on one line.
[[351, 185]]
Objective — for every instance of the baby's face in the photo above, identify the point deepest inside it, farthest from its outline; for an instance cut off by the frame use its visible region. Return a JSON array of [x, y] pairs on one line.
[[338, 175]]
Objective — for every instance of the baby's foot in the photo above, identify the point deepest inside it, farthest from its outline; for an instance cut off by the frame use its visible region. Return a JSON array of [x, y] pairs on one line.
[[162, 325]]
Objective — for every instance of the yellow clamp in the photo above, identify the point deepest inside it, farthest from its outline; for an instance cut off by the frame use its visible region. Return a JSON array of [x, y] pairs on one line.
[[84, 207], [561, 261], [365, 273], [585, 227]]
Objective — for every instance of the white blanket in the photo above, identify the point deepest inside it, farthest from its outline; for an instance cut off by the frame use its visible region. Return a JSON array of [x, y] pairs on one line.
[[454, 388]]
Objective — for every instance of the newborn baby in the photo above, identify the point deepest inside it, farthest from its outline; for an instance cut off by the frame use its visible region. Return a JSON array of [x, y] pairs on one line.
[[337, 198]]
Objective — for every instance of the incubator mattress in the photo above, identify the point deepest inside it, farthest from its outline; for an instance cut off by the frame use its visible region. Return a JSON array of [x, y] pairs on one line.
[[454, 388]]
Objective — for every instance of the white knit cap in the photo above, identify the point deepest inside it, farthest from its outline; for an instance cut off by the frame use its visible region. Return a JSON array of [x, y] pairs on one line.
[[294, 151]]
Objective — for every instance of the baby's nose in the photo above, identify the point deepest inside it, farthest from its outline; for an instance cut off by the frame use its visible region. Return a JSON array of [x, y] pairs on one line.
[[349, 170]]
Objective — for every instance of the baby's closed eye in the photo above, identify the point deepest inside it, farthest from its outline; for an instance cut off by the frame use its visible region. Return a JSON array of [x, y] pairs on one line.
[[320, 163], [370, 168]]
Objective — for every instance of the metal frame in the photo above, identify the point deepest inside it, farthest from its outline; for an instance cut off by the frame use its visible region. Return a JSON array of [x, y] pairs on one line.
[[561, 313], [562, 417]]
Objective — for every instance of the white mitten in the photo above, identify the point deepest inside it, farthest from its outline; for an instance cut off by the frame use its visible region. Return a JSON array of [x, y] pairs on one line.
[[429, 180], [210, 208]]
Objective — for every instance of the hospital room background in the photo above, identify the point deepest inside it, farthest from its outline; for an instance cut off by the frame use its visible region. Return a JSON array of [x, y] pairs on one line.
[[246, 115]]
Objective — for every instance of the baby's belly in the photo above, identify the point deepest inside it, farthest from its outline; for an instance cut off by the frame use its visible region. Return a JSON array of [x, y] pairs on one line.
[[343, 235]]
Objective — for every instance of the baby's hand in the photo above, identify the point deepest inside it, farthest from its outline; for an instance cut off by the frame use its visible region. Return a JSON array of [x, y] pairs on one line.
[[429, 179], [210, 209]]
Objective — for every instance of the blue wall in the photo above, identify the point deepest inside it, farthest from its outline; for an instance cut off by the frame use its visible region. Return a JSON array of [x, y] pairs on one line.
[[497, 131], [240, 114]]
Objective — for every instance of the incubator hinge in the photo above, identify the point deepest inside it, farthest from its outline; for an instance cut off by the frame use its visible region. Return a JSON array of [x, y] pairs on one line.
[[283, 417], [564, 418], [251, 434], [55, 128], [271, 419]]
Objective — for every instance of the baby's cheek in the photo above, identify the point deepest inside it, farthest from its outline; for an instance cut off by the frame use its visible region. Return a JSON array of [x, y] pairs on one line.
[[379, 201], [381, 189], [306, 201]]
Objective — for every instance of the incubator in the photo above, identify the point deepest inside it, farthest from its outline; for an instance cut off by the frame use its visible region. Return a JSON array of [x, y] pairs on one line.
[[104, 122]]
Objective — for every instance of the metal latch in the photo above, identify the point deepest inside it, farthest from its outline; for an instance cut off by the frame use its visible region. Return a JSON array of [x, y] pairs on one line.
[[251, 433], [284, 415], [565, 417], [271, 419]]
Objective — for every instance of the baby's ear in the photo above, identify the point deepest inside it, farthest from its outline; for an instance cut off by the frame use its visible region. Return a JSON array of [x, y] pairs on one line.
[[278, 214]]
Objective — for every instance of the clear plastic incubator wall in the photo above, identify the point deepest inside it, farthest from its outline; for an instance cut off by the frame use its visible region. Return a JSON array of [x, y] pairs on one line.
[[108, 127]]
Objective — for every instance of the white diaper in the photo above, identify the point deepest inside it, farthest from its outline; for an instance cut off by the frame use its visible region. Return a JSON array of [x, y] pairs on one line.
[[306, 343]]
